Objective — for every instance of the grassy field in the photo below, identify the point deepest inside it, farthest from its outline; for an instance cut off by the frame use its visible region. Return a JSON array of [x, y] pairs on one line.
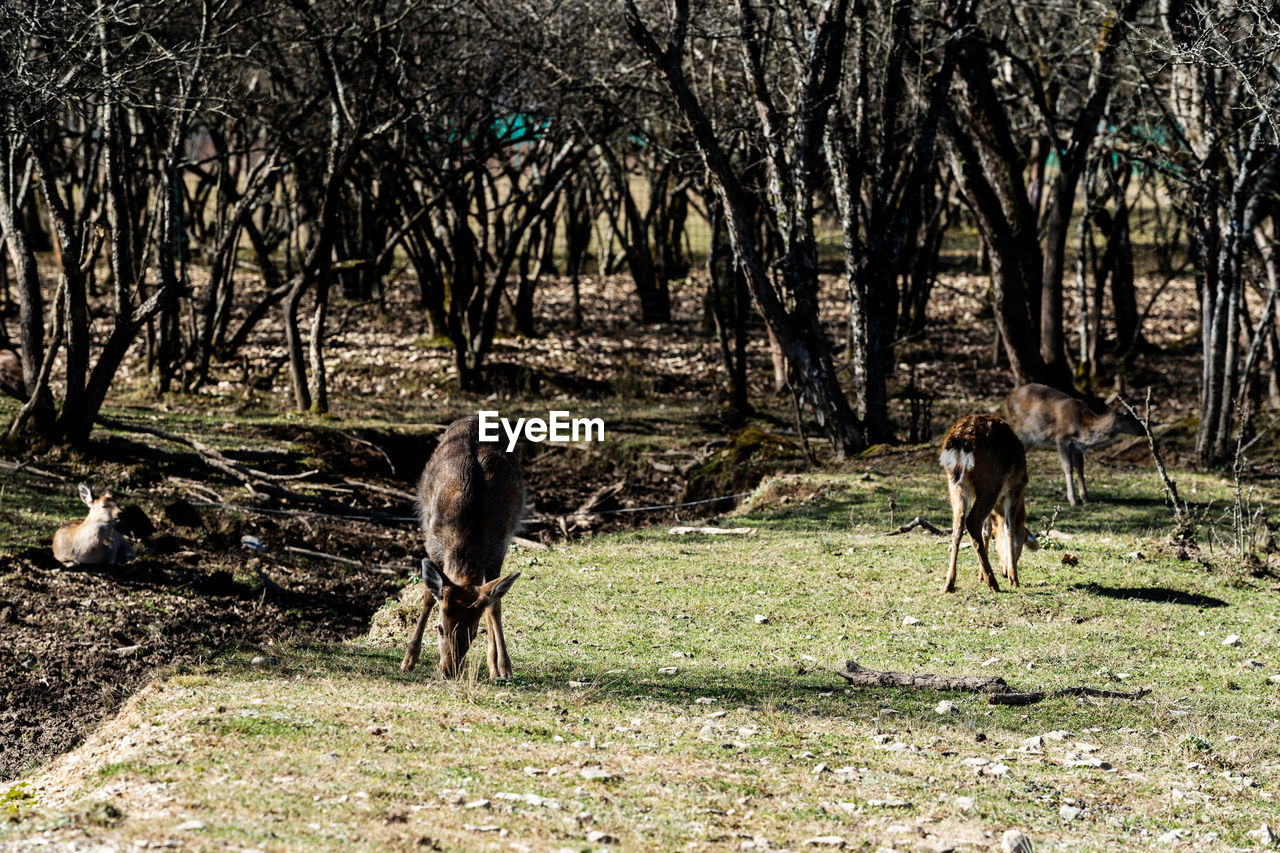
[[678, 693]]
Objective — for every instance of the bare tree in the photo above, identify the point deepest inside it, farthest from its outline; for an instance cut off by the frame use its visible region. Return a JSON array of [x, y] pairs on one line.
[[80, 85], [1020, 76], [791, 140], [882, 150], [1221, 96]]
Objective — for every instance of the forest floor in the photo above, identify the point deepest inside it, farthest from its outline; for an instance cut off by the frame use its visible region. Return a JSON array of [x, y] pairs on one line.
[[196, 604]]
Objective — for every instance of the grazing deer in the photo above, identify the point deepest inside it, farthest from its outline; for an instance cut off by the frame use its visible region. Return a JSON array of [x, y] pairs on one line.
[[94, 541], [986, 474], [11, 381], [1042, 415], [470, 499]]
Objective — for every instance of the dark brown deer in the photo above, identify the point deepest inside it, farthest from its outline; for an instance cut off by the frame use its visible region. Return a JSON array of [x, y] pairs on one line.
[[986, 469], [470, 499], [1041, 415], [94, 541]]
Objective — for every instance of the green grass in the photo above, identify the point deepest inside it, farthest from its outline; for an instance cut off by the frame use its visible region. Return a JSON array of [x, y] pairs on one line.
[[752, 736]]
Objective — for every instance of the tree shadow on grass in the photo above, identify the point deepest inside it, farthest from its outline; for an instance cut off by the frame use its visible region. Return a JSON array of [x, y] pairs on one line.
[[1154, 594]]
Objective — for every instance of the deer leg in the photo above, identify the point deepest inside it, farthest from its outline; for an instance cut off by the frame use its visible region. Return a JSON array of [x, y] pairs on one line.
[[1004, 543], [499, 663], [1064, 457], [993, 530], [957, 532], [978, 514], [415, 644], [1077, 462]]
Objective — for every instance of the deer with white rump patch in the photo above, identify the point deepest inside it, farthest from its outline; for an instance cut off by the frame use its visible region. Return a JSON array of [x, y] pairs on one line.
[[94, 541], [1041, 415], [470, 499], [986, 469]]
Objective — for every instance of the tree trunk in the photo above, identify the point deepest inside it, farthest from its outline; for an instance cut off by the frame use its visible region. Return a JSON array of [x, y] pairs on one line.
[[30, 298], [319, 377]]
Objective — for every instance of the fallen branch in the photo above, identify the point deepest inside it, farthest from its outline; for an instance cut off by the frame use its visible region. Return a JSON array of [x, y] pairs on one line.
[[922, 524], [381, 568], [857, 674], [21, 467], [344, 512], [258, 482], [531, 544], [209, 454], [712, 531], [383, 490], [996, 689]]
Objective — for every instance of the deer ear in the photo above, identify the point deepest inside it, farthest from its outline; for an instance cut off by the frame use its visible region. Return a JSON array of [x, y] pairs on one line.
[[434, 578], [86, 495], [495, 589]]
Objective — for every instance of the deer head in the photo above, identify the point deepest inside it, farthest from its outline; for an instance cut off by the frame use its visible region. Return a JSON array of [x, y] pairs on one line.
[[103, 510], [461, 608]]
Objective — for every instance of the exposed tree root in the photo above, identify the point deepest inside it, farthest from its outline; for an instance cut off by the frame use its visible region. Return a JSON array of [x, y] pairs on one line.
[[997, 690]]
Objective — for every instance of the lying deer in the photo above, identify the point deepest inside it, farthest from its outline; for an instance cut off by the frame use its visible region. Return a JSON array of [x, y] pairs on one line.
[[470, 498], [94, 541], [986, 474], [1041, 415]]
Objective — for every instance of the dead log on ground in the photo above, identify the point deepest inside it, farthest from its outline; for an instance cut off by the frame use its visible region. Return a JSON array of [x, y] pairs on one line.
[[857, 674]]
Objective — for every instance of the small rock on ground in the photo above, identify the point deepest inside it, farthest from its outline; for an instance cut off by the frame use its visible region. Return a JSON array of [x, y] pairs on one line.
[[1014, 841]]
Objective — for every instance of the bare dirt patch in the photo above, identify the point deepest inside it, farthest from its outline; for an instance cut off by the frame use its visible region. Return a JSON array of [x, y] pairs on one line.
[[77, 642]]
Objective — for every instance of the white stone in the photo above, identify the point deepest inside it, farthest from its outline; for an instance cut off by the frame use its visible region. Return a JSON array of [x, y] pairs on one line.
[[1265, 835], [1070, 812], [945, 708], [1014, 841], [1231, 640], [761, 619], [910, 620]]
